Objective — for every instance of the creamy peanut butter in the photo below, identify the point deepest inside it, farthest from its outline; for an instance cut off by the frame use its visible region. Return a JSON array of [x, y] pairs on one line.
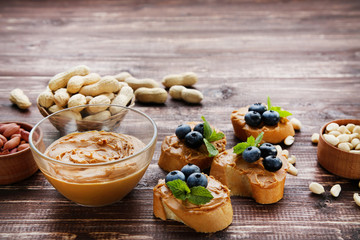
[[175, 154], [249, 179], [210, 217], [272, 134], [94, 184]]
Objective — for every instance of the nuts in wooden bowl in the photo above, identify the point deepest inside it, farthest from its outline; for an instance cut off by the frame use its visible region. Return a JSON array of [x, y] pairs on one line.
[[331, 155]]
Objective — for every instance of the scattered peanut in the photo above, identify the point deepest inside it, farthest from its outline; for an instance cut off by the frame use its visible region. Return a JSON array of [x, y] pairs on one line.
[[285, 153], [296, 124], [332, 127], [335, 190], [122, 76], [175, 91], [292, 170], [192, 95], [185, 79], [344, 146], [10, 129], [46, 99], [357, 199], [60, 80], [292, 159], [135, 83], [316, 188], [350, 126], [151, 95], [289, 140], [188, 95], [18, 97], [315, 138]]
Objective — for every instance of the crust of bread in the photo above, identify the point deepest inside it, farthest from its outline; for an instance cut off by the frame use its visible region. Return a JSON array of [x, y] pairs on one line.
[[272, 134], [249, 179], [208, 218], [175, 154]]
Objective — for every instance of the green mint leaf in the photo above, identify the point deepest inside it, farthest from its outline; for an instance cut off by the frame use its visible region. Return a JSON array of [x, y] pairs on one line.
[[215, 136], [240, 147], [251, 141], [268, 103], [258, 139], [200, 195], [284, 113], [281, 112], [179, 189], [207, 129], [211, 148]]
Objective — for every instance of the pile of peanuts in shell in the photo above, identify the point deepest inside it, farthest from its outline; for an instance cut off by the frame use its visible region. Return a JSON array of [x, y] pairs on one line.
[[77, 86], [344, 137], [13, 138]]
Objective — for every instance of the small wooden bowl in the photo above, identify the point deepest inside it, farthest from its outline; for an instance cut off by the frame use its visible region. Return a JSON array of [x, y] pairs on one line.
[[335, 160], [17, 166]]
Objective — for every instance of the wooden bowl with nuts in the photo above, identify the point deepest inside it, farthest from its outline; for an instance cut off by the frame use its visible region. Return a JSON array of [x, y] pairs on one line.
[[16, 159], [77, 87], [339, 148]]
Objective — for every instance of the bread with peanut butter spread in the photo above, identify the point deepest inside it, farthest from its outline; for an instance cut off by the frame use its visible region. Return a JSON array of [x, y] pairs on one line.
[[175, 153], [272, 134], [249, 179], [213, 216]]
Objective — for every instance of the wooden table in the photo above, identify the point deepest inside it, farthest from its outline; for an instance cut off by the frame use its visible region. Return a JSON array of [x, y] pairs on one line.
[[303, 54]]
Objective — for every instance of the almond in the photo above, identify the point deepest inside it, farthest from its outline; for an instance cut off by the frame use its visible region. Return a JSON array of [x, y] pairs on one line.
[[12, 143], [11, 129], [24, 135], [4, 139], [23, 146]]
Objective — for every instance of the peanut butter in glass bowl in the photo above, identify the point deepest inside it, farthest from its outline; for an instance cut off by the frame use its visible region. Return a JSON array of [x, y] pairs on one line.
[[95, 167]]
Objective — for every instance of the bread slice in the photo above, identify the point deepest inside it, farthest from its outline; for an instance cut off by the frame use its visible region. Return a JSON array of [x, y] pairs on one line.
[[272, 134], [213, 216], [175, 154], [249, 179]]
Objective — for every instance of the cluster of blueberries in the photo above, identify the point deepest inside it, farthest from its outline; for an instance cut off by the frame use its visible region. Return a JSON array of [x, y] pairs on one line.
[[193, 139], [191, 174], [258, 113], [268, 152]]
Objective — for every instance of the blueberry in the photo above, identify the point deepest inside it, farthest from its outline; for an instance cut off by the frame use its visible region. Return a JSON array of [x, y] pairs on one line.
[[258, 107], [253, 118], [199, 128], [173, 175], [267, 149], [197, 179], [182, 130], [251, 154], [189, 169], [194, 139], [270, 117], [272, 163]]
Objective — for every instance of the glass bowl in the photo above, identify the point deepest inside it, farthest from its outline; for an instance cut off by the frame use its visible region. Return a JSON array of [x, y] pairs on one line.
[[122, 153]]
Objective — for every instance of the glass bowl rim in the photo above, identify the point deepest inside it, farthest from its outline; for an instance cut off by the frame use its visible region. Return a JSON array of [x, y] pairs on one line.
[[153, 138]]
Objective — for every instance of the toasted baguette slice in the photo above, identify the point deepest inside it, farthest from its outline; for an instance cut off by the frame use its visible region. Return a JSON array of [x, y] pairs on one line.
[[249, 179], [175, 154], [213, 216], [272, 134]]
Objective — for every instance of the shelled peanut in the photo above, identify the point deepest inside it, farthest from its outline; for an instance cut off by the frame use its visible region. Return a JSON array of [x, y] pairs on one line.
[[78, 86], [344, 137], [13, 138]]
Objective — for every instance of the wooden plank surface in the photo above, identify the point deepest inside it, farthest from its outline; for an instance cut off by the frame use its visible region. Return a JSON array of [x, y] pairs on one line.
[[303, 54]]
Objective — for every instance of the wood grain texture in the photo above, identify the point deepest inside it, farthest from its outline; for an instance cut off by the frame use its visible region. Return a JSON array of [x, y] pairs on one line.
[[303, 54]]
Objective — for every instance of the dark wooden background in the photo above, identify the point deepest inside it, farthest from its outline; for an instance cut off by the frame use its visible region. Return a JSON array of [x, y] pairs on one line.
[[305, 55]]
